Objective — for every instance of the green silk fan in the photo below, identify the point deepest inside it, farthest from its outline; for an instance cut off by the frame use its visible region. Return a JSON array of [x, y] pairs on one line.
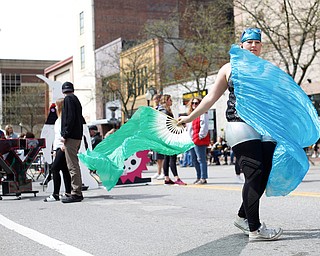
[[164, 129], [147, 129]]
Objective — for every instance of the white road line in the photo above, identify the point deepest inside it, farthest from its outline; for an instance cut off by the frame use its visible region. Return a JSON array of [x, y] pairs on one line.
[[45, 240]]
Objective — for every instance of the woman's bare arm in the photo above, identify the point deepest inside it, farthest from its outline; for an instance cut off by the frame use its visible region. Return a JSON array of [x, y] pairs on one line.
[[215, 92]]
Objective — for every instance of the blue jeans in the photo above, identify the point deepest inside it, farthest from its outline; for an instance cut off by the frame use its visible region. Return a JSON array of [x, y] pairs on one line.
[[199, 160], [187, 160]]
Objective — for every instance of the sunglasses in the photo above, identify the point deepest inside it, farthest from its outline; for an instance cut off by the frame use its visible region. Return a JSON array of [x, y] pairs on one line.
[[195, 103]]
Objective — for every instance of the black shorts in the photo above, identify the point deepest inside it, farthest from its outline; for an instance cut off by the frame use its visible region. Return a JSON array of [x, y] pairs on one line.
[[157, 156]]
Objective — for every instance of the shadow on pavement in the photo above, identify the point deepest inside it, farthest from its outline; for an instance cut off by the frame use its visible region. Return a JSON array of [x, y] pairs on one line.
[[226, 246], [300, 234], [124, 197]]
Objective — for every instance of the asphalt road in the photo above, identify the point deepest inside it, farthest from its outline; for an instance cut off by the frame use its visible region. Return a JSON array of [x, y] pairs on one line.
[[155, 219]]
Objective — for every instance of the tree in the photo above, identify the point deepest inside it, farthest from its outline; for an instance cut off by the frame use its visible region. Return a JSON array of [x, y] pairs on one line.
[[291, 29], [26, 107], [134, 72], [199, 38]]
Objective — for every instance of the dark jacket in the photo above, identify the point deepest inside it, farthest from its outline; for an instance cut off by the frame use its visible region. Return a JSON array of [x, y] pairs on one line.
[[96, 139], [162, 109], [71, 118]]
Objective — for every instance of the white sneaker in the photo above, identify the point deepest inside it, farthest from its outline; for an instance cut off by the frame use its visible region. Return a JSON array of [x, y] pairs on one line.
[[160, 177], [51, 198], [265, 234], [155, 176], [242, 224], [239, 179]]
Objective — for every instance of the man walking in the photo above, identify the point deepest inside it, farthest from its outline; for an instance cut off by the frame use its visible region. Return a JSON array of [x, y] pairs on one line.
[[72, 131]]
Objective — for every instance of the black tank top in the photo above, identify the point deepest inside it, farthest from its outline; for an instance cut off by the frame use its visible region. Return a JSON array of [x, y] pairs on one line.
[[231, 112]]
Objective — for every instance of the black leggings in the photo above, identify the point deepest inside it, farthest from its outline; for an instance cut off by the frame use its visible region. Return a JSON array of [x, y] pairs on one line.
[[172, 161], [255, 161], [237, 167], [58, 164]]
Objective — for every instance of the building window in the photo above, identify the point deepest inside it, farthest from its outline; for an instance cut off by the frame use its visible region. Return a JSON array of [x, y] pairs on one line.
[[145, 78], [142, 81], [81, 23], [131, 81], [9, 80], [137, 82], [82, 57]]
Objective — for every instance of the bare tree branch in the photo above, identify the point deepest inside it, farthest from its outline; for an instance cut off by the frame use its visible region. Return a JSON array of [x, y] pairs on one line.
[[291, 28], [199, 39]]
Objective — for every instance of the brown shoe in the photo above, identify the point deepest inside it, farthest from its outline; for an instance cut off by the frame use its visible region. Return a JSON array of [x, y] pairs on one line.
[[201, 182], [72, 199]]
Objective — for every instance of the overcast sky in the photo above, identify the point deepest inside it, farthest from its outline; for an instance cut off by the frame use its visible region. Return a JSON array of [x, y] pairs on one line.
[[36, 29]]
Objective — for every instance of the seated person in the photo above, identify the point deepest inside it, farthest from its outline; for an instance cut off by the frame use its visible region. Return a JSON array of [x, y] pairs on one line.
[[220, 148]]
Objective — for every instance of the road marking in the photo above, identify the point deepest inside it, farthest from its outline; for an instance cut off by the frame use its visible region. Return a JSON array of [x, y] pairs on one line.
[[40, 238], [305, 194], [214, 187], [217, 187]]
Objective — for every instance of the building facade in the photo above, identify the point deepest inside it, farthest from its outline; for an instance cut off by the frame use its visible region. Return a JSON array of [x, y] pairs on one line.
[[23, 94], [99, 23], [105, 28]]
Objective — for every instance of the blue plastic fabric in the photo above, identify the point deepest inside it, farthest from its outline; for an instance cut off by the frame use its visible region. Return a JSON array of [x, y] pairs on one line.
[[271, 102]]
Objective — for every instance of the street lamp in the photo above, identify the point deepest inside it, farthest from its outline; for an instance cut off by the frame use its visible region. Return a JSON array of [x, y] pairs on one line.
[[113, 120], [148, 97]]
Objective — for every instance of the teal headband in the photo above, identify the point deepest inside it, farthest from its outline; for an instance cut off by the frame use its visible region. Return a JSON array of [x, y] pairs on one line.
[[251, 34]]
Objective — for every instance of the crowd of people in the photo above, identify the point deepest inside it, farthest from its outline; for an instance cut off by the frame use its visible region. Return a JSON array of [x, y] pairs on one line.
[[8, 133]]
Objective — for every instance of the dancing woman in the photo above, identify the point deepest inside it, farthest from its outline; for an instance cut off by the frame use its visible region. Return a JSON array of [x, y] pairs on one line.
[[253, 151]]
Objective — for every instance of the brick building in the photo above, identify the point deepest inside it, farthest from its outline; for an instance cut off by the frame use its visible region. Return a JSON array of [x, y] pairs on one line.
[[100, 23], [121, 18], [22, 94]]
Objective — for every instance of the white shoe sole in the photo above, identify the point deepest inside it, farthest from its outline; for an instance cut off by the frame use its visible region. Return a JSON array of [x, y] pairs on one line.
[[260, 238], [246, 232]]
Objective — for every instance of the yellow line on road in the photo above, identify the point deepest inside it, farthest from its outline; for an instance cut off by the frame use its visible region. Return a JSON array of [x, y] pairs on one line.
[[214, 187], [305, 194], [232, 188]]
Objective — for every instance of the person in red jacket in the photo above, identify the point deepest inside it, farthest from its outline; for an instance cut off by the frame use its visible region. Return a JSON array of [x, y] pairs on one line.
[[198, 131]]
